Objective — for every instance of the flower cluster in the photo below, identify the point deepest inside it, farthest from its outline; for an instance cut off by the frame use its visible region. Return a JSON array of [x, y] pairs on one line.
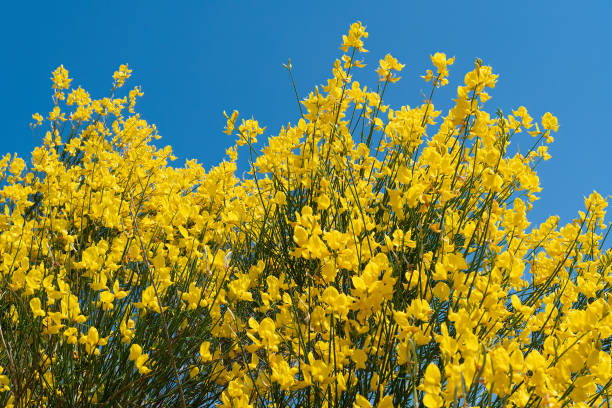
[[372, 257]]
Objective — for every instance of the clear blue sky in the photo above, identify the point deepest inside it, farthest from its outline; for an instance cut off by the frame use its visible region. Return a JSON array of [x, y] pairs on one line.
[[196, 59]]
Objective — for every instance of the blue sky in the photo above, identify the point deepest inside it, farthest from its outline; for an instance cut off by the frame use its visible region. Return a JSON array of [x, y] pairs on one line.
[[196, 59]]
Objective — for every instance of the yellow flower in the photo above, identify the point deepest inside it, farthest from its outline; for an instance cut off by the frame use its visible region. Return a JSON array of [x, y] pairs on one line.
[[359, 357], [194, 297], [106, 300], [205, 355], [239, 288], [386, 402], [267, 332], [361, 237], [319, 371], [193, 371], [431, 387], [282, 373], [60, 80], [38, 118], [549, 122], [361, 402], [441, 63], [526, 120], [340, 303], [139, 358], [121, 75], [4, 381], [386, 68], [35, 305], [354, 38], [127, 330], [55, 114], [71, 335], [249, 130], [135, 351], [231, 120], [419, 309], [92, 340]]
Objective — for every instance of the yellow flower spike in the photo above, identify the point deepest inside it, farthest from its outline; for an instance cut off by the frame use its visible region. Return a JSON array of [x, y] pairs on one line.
[[56, 114], [78, 96], [441, 291], [249, 130], [121, 75], [194, 297], [354, 38], [323, 202], [431, 387], [441, 62], [127, 330], [231, 120], [386, 68], [132, 95], [60, 81]]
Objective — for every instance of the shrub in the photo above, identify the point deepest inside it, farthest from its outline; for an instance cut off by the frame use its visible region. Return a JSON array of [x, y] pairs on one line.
[[371, 257]]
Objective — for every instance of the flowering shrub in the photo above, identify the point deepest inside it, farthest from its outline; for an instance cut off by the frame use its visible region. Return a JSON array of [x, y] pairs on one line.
[[372, 257]]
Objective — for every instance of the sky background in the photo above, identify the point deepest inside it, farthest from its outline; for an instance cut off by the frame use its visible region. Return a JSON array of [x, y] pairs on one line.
[[196, 59]]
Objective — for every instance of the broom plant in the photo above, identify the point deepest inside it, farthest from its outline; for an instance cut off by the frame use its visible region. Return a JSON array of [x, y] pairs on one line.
[[370, 257]]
